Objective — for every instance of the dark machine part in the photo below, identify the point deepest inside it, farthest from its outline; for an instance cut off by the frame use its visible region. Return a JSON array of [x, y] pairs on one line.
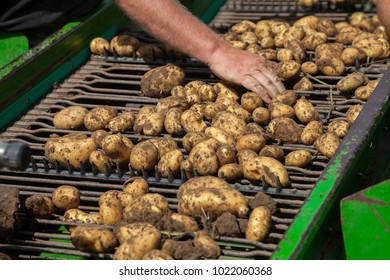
[[15, 155]]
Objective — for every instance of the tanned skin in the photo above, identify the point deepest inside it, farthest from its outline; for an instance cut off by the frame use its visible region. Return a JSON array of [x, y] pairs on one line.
[[383, 10]]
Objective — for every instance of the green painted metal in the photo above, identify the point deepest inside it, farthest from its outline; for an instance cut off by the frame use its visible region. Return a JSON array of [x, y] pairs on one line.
[[205, 10], [365, 221], [12, 45]]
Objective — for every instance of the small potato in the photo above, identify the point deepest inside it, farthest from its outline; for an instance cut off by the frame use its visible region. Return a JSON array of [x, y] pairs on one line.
[[267, 167], [284, 54], [353, 112], [273, 151], [254, 142], [351, 82], [312, 41], [298, 158], [172, 122], [99, 46], [351, 55], [188, 168], [183, 223], [243, 26], [340, 127], [144, 156], [285, 130], [192, 121], [309, 67], [142, 115], [40, 206], [149, 51], [154, 124], [121, 123], [229, 122], [192, 138], [110, 210], [226, 91], [116, 149], [125, 231], [66, 197], [204, 159], [226, 154], [170, 162], [245, 155], [236, 108], [327, 144], [101, 161], [212, 109], [164, 144], [253, 127], [167, 103], [98, 117], [288, 70], [210, 248], [91, 239], [311, 132], [305, 111], [231, 172], [259, 224], [98, 136], [303, 84], [288, 97], [78, 216], [221, 136], [157, 254], [207, 93], [71, 117], [250, 101], [249, 37], [279, 109], [364, 92], [136, 186], [124, 45]]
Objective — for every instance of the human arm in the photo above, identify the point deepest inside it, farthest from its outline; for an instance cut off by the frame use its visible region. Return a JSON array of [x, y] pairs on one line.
[[172, 24], [383, 10]]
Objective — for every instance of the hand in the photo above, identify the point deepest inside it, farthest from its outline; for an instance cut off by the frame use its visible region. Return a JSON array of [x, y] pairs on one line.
[[247, 69]]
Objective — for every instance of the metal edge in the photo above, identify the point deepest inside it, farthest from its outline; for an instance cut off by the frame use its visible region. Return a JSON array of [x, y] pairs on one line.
[[305, 238]]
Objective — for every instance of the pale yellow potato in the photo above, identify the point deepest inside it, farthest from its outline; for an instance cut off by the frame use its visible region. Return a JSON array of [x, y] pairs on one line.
[[71, 117], [231, 172], [224, 90], [124, 231], [99, 46], [192, 121], [273, 151], [154, 124], [172, 122], [249, 101], [124, 45], [91, 239], [261, 115], [207, 93], [220, 135], [192, 138], [101, 161], [136, 186], [183, 223], [144, 156], [353, 112], [170, 161], [303, 84], [309, 67], [259, 224], [298, 158], [351, 82], [110, 210], [210, 248], [254, 142], [230, 123], [226, 154], [141, 117], [98, 136], [311, 132], [327, 144], [122, 122], [75, 215], [278, 109], [288, 70], [66, 197], [203, 158], [245, 155], [305, 111], [288, 97], [117, 150], [285, 130], [98, 117], [340, 127]]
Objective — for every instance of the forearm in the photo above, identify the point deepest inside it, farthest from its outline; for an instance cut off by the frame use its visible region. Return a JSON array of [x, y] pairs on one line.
[[168, 22], [383, 8]]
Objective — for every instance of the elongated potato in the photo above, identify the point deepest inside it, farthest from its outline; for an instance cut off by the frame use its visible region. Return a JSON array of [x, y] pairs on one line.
[[298, 158], [141, 117], [327, 144], [192, 138], [172, 122], [110, 210], [311, 132], [305, 111], [122, 122], [267, 167], [125, 231], [75, 215], [351, 82], [71, 117], [220, 135], [259, 224], [182, 223], [98, 117], [279, 109], [230, 123], [254, 142], [92, 239], [164, 144]]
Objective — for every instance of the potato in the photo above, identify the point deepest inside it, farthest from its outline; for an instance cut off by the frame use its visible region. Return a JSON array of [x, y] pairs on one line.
[[152, 208], [164, 144], [253, 142], [347, 35], [154, 124], [226, 154], [243, 26], [340, 127], [288, 97], [192, 138], [284, 54], [231, 172], [303, 84], [328, 27], [71, 117], [167, 103], [207, 93], [204, 159], [363, 92], [210, 196], [278, 109], [273, 151], [298, 158], [309, 67], [39, 206], [99, 46], [351, 55], [212, 109], [136, 186], [156, 254], [101, 161], [98, 117], [192, 121], [222, 89], [188, 168], [172, 122], [239, 111], [124, 231], [299, 53], [267, 167], [144, 156], [311, 132], [117, 150], [170, 162], [259, 224], [311, 21], [66, 197], [183, 223], [312, 41], [91, 239], [159, 81], [149, 51], [238, 44], [327, 144], [220, 135], [351, 82], [137, 246], [98, 136], [124, 45], [230, 123], [288, 70], [110, 210], [210, 248], [353, 112], [253, 127], [285, 130], [327, 57], [244, 155], [305, 111], [121, 123], [72, 150], [78, 216]]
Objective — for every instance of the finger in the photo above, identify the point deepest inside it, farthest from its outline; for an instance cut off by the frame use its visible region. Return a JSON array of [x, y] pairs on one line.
[[269, 72], [253, 85], [268, 85]]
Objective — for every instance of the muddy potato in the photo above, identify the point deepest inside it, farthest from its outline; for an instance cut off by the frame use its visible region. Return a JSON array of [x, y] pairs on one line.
[[304, 84], [351, 82], [222, 89], [212, 109], [204, 159], [159, 81], [110, 210], [288, 97], [353, 112], [327, 57], [253, 127], [245, 155], [99, 46], [156, 254], [117, 150], [249, 101], [340, 127], [70, 150], [284, 54], [311, 132], [137, 246], [363, 92], [149, 51], [122, 122], [91, 239], [299, 53], [192, 121], [207, 93], [167, 103], [98, 117], [154, 124], [259, 224], [211, 196], [136, 186], [124, 231], [78, 216], [144, 156], [288, 70], [273, 151], [170, 162], [98, 136], [230, 123], [220, 135], [192, 138], [327, 144], [39, 206], [152, 208], [374, 46], [231, 172], [285, 130], [305, 111], [298, 158], [187, 168], [310, 20], [278, 109], [328, 27], [124, 45], [164, 144], [209, 247], [267, 167], [71, 117], [312, 41], [66, 197], [172, 122], [226, 154], [183, 223], [309, 67], [243, 26], [351, 55], [239, 44], [101, 161], [254, 142], [236, 108]]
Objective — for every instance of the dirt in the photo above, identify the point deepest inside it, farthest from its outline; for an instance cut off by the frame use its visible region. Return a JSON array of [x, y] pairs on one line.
[[187, 251], [227, 225], [9, 205], [262, 199]]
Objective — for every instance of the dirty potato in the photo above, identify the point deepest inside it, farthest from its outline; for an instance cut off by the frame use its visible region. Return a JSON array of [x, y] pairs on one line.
[[327, 144], [101, 161], [71, 117], [170, 163], [117, 150], [353, 112], [122, 122], [259, 224], [39, 206], [285, 130], [99, 46], [66, 197], [144, 156], [124, 45], [226, 154], [273, 151], [136, 186], [305, 111], [298, 158], [92, 239], [98, 117], [340, 127], [311, 132], [231, 172]]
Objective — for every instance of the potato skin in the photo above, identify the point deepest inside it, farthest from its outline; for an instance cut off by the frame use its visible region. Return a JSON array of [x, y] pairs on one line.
[[71, 117], [124, 45], [351, 82], [259, 224], [340, 127], [230, 123], [204, 159], [101, 161], [210, 248], [298, 158], [110, 210], [40, 206], [93, 239], [98, 117], [78, 216], [144, 155], [154, 124], [305, 111], [231, 172], [136, 186], [353, 112], [192, 138], [66, 197], [254, 142], [99, 46], [156, 254], [273, 151], [226, 154], [125, 231], [141, 117], [311, 132], [121, 123], [172, 122], [285, 130], [183, 223], [327, 144], [116, 149], [170, 161]]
